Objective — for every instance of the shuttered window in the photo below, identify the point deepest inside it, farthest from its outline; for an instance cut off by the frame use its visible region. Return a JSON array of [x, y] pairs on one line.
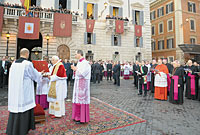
[[89, 38], [90, 11]]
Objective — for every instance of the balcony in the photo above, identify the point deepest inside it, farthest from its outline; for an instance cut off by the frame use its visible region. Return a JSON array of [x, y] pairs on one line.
[[110, 25], [14, 13]]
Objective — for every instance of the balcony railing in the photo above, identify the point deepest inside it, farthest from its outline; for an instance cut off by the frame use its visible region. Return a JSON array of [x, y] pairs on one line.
[[110, 23], [43, 15]]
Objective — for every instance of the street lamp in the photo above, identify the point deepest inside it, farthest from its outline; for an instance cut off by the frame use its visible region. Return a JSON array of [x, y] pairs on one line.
[[8, 36], [47, 37], [105, 4]]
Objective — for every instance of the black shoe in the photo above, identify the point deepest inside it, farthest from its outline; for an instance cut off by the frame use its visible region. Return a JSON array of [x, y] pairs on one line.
[[78, 122], [139, 94]]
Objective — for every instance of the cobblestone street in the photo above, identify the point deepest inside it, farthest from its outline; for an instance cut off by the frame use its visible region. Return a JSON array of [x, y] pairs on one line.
[[162, 118]]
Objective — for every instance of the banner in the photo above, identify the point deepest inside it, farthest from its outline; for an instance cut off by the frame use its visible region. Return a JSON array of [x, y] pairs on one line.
[[90, 25], [1, 18], [119, 25], [138, 30], [62, 26], [29, 28]]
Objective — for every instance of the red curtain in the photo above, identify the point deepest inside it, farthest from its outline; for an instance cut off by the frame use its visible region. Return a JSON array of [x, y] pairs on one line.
[[119, 25], [90, 25], [35, 25], [1, 18], [62, 25], [138, 30]]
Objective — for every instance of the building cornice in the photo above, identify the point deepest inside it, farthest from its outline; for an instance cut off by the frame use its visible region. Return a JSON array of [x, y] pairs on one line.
[[157, 3], [137, 5], [117, 2]]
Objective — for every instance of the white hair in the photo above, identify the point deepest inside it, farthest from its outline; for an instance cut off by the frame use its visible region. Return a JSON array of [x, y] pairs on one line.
[[55, 57]]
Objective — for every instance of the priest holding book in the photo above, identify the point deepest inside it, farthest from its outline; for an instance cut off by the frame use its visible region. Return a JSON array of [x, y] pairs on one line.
[[81, 92], [58, 89]]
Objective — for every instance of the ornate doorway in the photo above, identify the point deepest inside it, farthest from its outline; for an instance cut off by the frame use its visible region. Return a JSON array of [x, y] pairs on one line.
[[63, 52]]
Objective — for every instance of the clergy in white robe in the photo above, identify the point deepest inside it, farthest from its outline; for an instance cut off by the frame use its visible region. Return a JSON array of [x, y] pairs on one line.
[[21, 97], [57, 89], [126, 71], [81, 91]]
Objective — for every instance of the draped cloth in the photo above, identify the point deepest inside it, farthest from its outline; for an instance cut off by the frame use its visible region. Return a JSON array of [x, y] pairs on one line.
[[81, 92], [161, 82]]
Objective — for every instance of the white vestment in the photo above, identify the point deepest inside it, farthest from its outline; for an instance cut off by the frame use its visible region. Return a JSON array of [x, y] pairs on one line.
[[160, 80], [61, 94], [81, 92], [126, 69], [21, 95]]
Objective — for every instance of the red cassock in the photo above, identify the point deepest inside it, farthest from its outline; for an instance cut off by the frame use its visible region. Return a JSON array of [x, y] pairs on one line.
[[61, 71]]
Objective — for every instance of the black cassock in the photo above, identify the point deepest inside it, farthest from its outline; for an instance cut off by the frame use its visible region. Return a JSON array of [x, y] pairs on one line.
[[178, 76], [188, 83]]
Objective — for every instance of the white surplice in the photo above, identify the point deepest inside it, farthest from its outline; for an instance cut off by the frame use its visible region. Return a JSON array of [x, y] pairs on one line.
[[126, 69], [160, 80], [81, 92], [21, 95]]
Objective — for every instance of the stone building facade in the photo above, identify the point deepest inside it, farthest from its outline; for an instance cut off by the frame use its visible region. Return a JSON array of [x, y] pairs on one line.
[[102, 46]]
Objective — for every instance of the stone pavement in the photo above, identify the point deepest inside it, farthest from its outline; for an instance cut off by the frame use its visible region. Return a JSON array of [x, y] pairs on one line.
[[162, 118]]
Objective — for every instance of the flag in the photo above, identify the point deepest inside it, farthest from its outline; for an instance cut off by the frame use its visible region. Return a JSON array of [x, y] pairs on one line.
[[90, 25], [119, 26], [29, 27], [1, 18], [62, 26], [26, 4], [138, 30]]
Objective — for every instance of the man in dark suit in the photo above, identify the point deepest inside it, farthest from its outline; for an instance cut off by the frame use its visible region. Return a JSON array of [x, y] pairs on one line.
[[135, 68], [143, 78], [69, 71], [97, 69], [4, 72], [109, 71], [116, 73]]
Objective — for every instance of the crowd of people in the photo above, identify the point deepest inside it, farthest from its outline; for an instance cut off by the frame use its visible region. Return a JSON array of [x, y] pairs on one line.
[[117, 18], [171, 81], [38, 8]]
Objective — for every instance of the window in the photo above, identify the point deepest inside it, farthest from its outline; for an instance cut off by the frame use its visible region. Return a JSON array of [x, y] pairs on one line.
[[160, 12], [160, 25], [90, 8], [138, 17], [33, 2], [90, 11], [153, 45], [138, 41], [170, 25], [116, 40], [89, 38], [153, 30], [153, 15], [192, 25], [170, 43], [192, 40], [115, 11], [161, 45], [191, 7], [169, 8]]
